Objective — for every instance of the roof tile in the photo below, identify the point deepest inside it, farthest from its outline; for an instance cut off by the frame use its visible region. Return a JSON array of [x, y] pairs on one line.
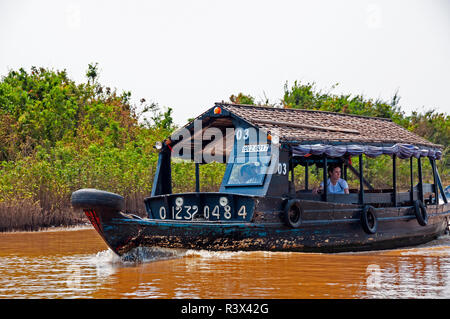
[[313, 126]]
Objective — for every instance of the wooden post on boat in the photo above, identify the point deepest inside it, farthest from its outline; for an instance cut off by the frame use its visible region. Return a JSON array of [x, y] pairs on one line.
[[306, 176], [444, 197], [325, 179], [436, 191], [411, 195], [419, 169], [162, 181], [361, 180], [394, 178], [345, 170], [197, 177], [291, 169]]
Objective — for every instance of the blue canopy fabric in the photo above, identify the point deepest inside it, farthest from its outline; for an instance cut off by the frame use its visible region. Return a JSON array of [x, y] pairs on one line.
[[401, 150]]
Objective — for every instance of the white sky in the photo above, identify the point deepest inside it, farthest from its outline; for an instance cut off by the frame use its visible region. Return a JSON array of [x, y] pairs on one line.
[[190, 54]]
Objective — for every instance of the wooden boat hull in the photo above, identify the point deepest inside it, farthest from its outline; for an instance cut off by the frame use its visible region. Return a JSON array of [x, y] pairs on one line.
[[325, 227]]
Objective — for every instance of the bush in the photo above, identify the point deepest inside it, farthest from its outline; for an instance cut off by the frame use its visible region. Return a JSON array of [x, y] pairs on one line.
[[60, 136]]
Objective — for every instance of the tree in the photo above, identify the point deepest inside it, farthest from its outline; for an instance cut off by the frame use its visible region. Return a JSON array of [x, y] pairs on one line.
[[92, 73], [241, 98]]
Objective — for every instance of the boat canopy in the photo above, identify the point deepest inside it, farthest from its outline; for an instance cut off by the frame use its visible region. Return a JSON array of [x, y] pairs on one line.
[[306, 132], [400, 150]]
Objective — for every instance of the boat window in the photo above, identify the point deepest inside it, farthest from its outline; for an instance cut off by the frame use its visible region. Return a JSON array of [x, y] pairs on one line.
[[250, 172]]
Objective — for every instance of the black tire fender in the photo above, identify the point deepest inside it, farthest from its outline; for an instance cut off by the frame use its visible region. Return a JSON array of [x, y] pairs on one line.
[[292, 214], [421, 212], [88, 198], [369, 220]]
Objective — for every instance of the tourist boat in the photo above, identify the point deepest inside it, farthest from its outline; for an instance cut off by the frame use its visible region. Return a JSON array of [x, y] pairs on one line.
[[267, 212]]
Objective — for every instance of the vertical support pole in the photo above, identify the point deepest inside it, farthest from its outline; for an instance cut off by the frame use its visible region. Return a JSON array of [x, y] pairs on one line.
[[292, 175], [306, 176], [394, 178], [444, 197], [411, 195], [419, 168], [325, 179], [291, 183], [436, 191], [361, 180], [162, 182], [197, 177], [345, 171]]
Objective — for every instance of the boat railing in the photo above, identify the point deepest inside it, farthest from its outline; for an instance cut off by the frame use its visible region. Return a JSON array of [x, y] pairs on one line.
[[377, 196]]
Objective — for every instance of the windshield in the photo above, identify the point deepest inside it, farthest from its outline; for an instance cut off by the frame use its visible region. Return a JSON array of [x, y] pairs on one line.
[[249, 173]]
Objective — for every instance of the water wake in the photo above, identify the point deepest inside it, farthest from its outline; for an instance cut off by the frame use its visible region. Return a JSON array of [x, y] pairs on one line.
[[137, 255], [141, 255], [150, 254]]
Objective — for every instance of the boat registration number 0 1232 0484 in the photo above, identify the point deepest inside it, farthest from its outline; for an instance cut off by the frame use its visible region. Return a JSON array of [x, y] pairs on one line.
[[187, 212]]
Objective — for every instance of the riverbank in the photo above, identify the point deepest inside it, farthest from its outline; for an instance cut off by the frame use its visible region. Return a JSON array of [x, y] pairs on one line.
[[28, 215], [85, 226]]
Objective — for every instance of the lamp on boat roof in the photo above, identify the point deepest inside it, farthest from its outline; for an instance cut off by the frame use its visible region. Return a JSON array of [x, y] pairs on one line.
[[273, 138], [158, 145], [217, 110]]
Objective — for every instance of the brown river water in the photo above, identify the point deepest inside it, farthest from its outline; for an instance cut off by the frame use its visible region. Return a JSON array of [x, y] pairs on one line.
[[76, 263]]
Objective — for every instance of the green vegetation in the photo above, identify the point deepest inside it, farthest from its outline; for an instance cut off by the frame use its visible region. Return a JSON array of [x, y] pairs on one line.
[[57, 136]]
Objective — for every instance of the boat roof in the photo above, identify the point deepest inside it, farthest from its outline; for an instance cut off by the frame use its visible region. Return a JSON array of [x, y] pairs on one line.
[[303, 127], [298, 126]]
